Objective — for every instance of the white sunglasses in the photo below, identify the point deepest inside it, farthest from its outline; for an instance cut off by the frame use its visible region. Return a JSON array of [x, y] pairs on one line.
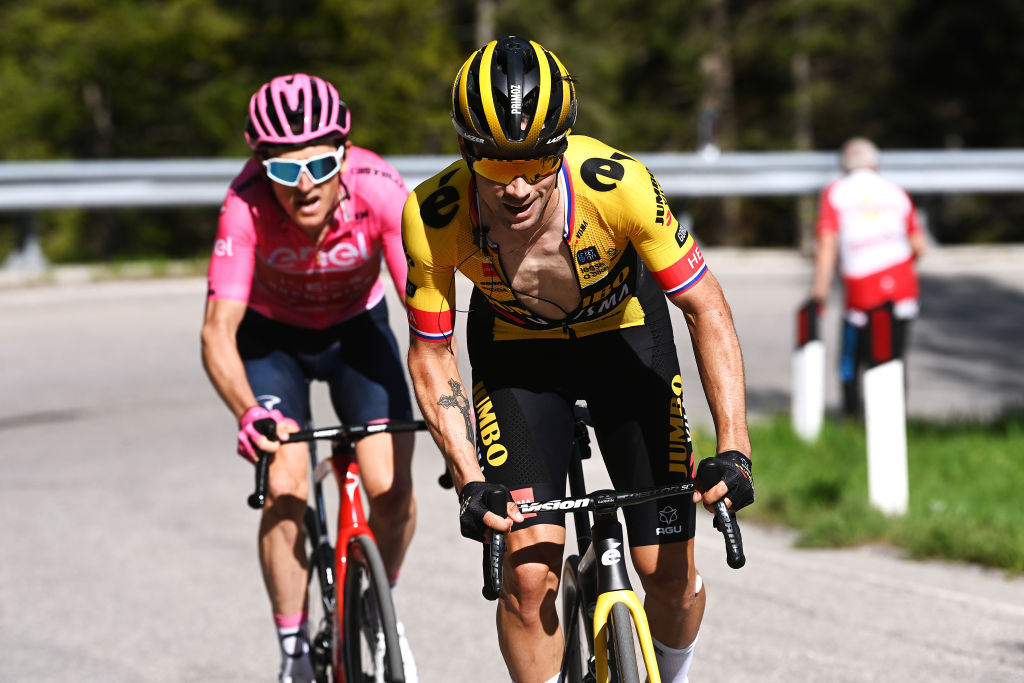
[[319, 168]]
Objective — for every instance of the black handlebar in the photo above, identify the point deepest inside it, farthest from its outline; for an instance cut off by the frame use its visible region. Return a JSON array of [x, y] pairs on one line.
[[258, 497], [724, 521], [351, 433], [494, 552], [356, 432]]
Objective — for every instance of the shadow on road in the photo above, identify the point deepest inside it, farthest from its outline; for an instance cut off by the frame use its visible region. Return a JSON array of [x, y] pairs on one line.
[[972, 321]]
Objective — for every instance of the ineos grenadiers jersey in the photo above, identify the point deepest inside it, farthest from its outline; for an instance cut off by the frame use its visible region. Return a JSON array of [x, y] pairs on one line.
[[617, 221], [264, 259]]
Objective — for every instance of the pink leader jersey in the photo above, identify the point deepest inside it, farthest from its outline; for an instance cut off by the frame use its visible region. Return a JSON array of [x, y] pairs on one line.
[[873, 217], [264, 259]]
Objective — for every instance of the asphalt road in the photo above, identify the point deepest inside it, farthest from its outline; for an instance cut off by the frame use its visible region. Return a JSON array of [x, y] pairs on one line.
[[129, 552]]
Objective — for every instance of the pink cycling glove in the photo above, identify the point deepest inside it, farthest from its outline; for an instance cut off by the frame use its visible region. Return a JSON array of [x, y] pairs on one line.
[[248, 435]]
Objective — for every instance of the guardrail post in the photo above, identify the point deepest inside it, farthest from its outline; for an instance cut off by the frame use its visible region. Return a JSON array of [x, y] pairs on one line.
[[28, 256], [885, 417], [807, 407]]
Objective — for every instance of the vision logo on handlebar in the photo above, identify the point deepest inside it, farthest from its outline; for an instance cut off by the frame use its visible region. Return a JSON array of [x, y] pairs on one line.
[[547, 506]]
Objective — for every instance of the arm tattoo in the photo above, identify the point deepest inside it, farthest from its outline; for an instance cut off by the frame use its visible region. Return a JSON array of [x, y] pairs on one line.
[[458, 400]]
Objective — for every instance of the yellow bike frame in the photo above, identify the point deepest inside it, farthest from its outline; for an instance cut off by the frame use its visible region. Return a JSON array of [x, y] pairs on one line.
[[605, 601]]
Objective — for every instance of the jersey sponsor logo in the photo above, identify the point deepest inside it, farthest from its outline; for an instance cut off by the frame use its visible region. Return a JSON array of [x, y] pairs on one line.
[[594, 270], [684, 273], [523, 496], [439, 207], [683, 231], [552, 505], [680, 448], [662, 216], [410, 289], [343, 256], [593, 170], [515, 93], [668, 515], [597, 303], [588, 255], [495, 290], [380, 173], [487, 427], [695, 258], [431, 326], [222, 247], [519, 315]]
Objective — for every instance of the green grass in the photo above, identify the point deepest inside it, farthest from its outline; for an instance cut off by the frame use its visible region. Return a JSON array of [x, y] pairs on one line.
[[965, 488]]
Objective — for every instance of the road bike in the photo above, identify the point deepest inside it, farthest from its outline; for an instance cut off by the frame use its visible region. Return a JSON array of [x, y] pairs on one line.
[[600, 610], [353, 620]]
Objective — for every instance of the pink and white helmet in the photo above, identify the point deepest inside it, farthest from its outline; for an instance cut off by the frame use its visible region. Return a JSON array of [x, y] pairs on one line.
[[295, 109]]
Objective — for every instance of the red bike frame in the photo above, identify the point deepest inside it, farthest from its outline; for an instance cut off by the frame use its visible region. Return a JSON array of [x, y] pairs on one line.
[[351, 523]]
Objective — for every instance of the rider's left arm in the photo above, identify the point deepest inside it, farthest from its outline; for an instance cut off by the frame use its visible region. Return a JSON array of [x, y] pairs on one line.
[[716, 349]]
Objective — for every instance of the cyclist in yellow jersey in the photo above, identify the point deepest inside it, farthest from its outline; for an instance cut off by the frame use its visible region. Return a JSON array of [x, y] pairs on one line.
[[573, 251]]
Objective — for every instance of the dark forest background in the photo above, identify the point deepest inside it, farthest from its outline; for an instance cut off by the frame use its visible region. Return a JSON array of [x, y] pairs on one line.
[[104, 79]]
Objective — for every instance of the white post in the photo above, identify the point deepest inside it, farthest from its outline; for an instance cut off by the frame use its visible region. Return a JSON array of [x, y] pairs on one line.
[[807, 407], [885, 423]]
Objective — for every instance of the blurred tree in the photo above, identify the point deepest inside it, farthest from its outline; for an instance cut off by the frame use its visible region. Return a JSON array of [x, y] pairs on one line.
[[171, 78]]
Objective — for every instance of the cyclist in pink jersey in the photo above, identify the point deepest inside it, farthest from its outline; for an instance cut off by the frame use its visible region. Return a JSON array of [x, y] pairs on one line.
[[296, 295], [869, 225]]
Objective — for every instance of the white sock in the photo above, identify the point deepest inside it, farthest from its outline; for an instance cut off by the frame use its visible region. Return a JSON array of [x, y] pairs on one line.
[[673, 663], [294, 641], [295, 661], [557, 678]]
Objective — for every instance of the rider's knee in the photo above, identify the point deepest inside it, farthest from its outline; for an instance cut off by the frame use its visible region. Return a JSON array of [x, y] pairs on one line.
[[287, 487], [674, 588], [393, 502], [530, 584]]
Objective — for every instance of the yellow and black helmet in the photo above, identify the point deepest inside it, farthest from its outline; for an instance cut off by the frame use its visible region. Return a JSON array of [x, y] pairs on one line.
[[513, 95]]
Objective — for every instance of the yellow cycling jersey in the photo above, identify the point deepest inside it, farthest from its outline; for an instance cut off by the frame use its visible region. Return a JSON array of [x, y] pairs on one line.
[[618, 226]]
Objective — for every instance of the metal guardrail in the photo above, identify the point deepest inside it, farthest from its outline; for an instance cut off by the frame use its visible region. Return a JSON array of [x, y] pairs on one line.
[[43, 185]]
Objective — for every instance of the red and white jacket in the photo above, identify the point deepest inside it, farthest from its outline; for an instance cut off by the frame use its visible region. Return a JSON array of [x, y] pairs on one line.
[[873, 218]]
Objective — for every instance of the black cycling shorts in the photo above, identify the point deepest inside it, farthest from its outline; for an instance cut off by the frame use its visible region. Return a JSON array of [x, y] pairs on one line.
[[523, 396], [358, 359]]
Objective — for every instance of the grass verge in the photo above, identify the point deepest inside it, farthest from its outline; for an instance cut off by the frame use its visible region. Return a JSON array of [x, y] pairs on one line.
[[965, 481]]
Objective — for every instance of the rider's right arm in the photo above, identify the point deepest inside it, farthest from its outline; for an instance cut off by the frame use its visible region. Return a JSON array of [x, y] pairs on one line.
[[433, 353], [221, 359], [826, 248], [446, 409], [230, 276], [445, 405]]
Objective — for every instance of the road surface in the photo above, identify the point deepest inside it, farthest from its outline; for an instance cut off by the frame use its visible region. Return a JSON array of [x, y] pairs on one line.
[[129, 552]]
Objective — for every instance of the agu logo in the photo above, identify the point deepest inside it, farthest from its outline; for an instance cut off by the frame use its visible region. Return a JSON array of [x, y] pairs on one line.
[[668, 516]]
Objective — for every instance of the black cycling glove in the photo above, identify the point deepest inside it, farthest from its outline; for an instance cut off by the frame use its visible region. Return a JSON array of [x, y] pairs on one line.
[[473, 500], [734, 469]]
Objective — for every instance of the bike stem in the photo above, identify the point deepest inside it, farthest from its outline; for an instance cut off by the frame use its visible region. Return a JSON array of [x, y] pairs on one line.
[[605, 558]]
